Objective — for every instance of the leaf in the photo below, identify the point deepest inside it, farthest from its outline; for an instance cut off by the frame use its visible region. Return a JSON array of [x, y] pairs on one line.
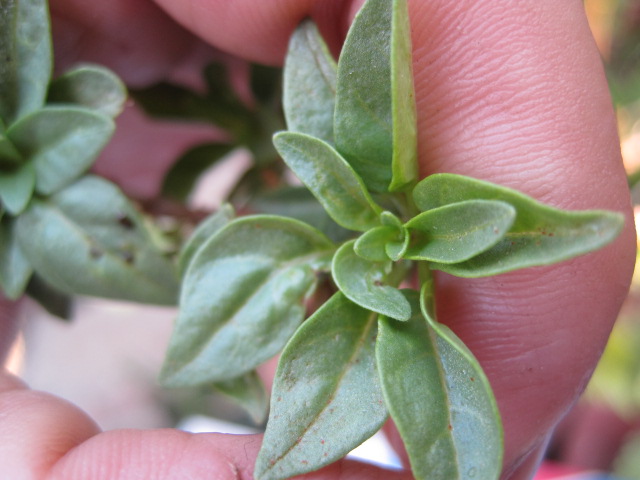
[[205, 230], [371, 245], [309, 84], [298, 203], [330, 178], [15, 269], [88, 239], [375, 117], [242, 298], [16, 187], [326, 396], [9, 156], [90, 86], [48, 297], [183, 175], [540, 235], [366, 283], [249, 392], [439, 399], [61, 142], [25, 46], [458, 231]]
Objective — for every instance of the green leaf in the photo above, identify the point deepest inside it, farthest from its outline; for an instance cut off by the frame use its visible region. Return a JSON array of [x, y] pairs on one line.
[[330, 178], [182, 177], [298, 203], [15, 269], [249, 392], [90, 86], [25, 46], [309, 84], [9, 155], [540, 235], [439, 399], [16, 187], [367, 283], [88, 239], [458, 231], [205, 230], [51, 299], [326, 396], [242, 298], [371, 245], [61, 142], [375, 115]]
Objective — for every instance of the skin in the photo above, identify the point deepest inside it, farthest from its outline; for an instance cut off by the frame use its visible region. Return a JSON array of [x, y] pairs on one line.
[[510, 92]]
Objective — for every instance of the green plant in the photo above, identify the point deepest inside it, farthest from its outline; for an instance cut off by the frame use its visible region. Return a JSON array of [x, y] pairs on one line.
[[373, 348], [244, 284]]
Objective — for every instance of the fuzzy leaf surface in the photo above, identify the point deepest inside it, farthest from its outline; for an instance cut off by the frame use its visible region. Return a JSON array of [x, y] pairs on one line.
[[330, 178], [25, 46], [15, 269], [326, 396], [61, 142], [366, 283], [242, 298], [88, 239], [540, 234], [205, 230], [90, 86], [309, 84], [249, 392], [375, 118], [458, 231], [16, 187], [439, 399]]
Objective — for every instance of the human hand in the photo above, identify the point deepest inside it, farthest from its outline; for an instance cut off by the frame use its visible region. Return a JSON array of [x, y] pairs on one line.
[[513, 94]]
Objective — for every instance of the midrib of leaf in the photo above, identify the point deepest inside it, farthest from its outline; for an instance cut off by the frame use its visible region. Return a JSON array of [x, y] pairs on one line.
[[195, 351], [109, 253], [348, 364], [316, 59]]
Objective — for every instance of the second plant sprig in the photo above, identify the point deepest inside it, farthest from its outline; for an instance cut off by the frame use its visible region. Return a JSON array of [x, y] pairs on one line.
[[372, 349]]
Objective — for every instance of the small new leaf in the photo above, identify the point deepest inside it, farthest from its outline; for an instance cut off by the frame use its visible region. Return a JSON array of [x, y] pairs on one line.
[[459, 231], [61, 142], [242, 298], [540, 235], [439, 399], [366, 283], [90, 86], [331, 180], [88, 239], [326, 396], [309, 84]]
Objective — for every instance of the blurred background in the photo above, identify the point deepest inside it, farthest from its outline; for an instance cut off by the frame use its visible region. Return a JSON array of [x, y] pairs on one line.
[[122, 345]]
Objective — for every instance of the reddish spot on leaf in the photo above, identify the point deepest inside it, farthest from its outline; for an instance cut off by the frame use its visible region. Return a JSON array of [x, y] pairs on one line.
[[472, 379], [304, 462], [450, 427]]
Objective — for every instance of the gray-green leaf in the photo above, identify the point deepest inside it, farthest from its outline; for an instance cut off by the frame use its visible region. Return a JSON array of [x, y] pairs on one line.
[[366, 283], [15, 269], [309, 84], [326, 396], [62, 143], [249, 392], [540, 235], [25, 47], [459, 231], [330, 178], [16, 187], [206, 229], [88, 239], [90, 86], [242, 298], [439, 399], [375, 115]]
